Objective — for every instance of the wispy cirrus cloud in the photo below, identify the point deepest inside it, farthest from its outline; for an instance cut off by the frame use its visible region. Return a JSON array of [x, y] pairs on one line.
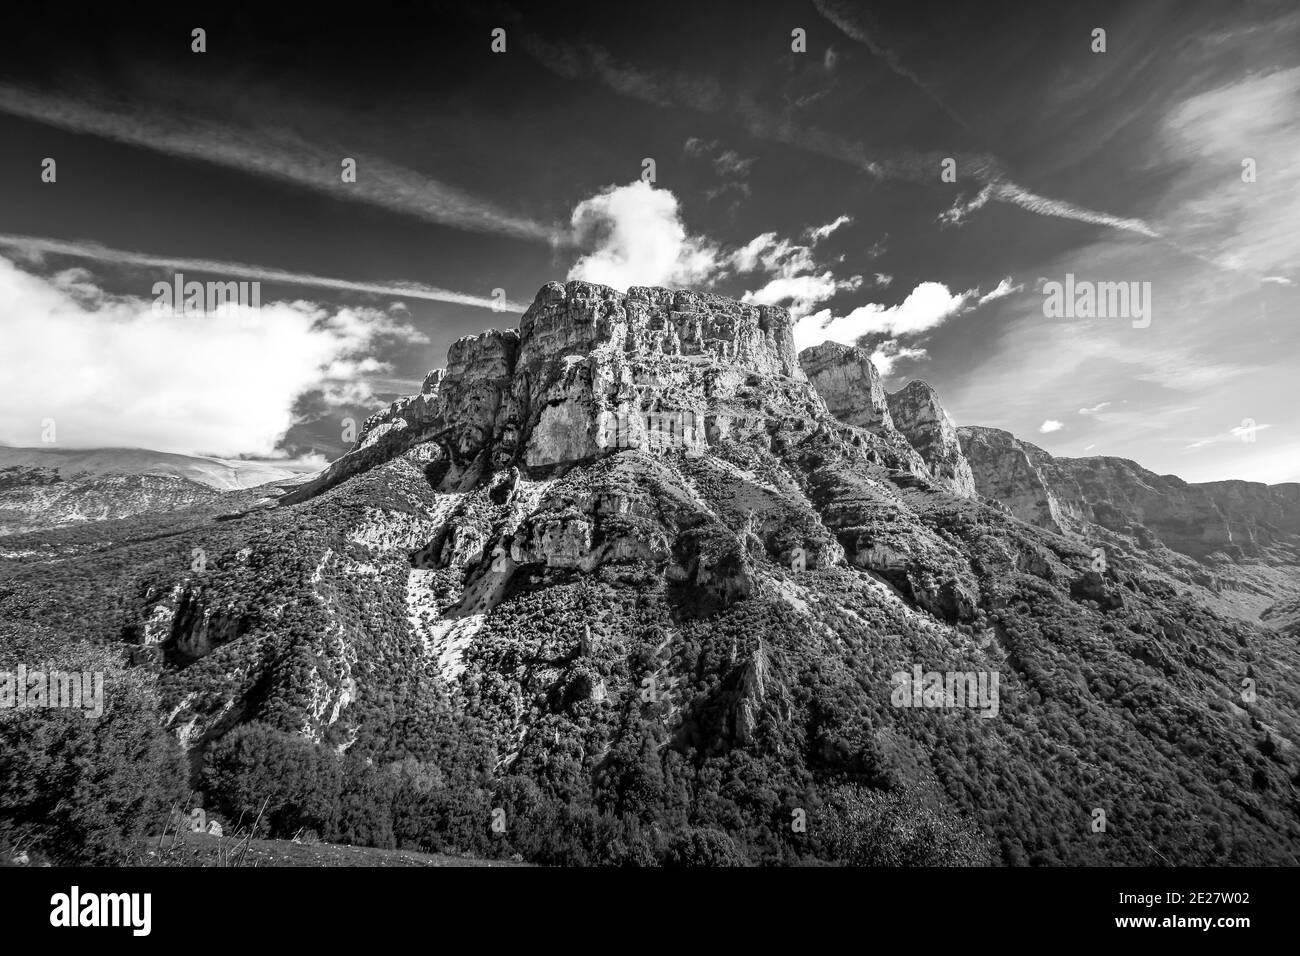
[[850, 23], [34, 246], [591, 62], [1244, 432], [1001, 190], [1000, 291], [274, 152]]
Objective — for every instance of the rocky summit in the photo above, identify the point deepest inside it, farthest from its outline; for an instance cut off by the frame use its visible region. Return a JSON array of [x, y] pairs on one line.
[[636, 583]]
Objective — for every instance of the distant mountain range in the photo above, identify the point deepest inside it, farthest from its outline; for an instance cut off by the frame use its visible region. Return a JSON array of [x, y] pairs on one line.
[[219, 473], [43, 488]]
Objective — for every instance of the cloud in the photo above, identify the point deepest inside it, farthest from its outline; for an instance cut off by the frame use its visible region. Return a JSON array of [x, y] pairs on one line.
[[962, 208], [706, 95], [1004, 289], [1008, 192], [727, 163], [274, 152], [1241, 225], [857, 30], [927, 306], [1002, 190], [1049, 426], [636, 237], [803, 292], [1242, 433], [884, 280], [888, 353], [32, 248], [772, 255], [111, 371], [818, 233], [1093, 410], [793, 268]]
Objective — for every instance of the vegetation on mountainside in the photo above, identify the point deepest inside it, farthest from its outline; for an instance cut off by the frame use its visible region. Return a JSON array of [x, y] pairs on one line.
[[626, 716]]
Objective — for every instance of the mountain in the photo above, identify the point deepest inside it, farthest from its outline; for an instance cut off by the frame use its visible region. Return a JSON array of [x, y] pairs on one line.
[[1245, 535], [43, 488], [220, 473], [36, 499], [635, 583]]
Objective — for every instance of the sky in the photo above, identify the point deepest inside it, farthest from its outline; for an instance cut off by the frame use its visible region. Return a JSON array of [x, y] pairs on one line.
[[916, 178]]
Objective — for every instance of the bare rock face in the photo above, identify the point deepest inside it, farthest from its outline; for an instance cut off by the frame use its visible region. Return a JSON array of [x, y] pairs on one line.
[[600, 370], [1008, 470], [1232, 518], [1269, 508], [849, 384], [592, 371], [918, 414]]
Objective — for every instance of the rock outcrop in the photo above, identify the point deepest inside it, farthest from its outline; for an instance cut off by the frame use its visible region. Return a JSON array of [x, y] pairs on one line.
[[848, 383], [1234, 518], [1008, 470], [918, 414], [590, 371]]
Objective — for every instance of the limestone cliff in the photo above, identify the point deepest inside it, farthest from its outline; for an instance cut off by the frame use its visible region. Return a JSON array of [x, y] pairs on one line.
[[1232, 518], [848, 382], [918, 414], [592, 370]]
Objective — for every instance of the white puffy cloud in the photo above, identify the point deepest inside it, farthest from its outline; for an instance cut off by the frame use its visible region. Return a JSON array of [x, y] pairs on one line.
[[926, 307], [113, 371], [1049, 426], [778, 257], [636, 237], [802, 293], [888, 353]]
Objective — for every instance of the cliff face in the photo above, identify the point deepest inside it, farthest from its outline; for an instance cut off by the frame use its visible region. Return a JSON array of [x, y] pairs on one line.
[[1234, 518], [590, 371], [595, 364], [1013, 472], [848, 382], [918, 414]]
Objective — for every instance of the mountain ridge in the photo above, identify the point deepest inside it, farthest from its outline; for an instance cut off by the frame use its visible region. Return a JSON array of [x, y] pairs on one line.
[[622, 576]]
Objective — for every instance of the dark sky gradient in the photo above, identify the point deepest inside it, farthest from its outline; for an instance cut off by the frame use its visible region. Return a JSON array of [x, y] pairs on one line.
[[1150, 132]]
